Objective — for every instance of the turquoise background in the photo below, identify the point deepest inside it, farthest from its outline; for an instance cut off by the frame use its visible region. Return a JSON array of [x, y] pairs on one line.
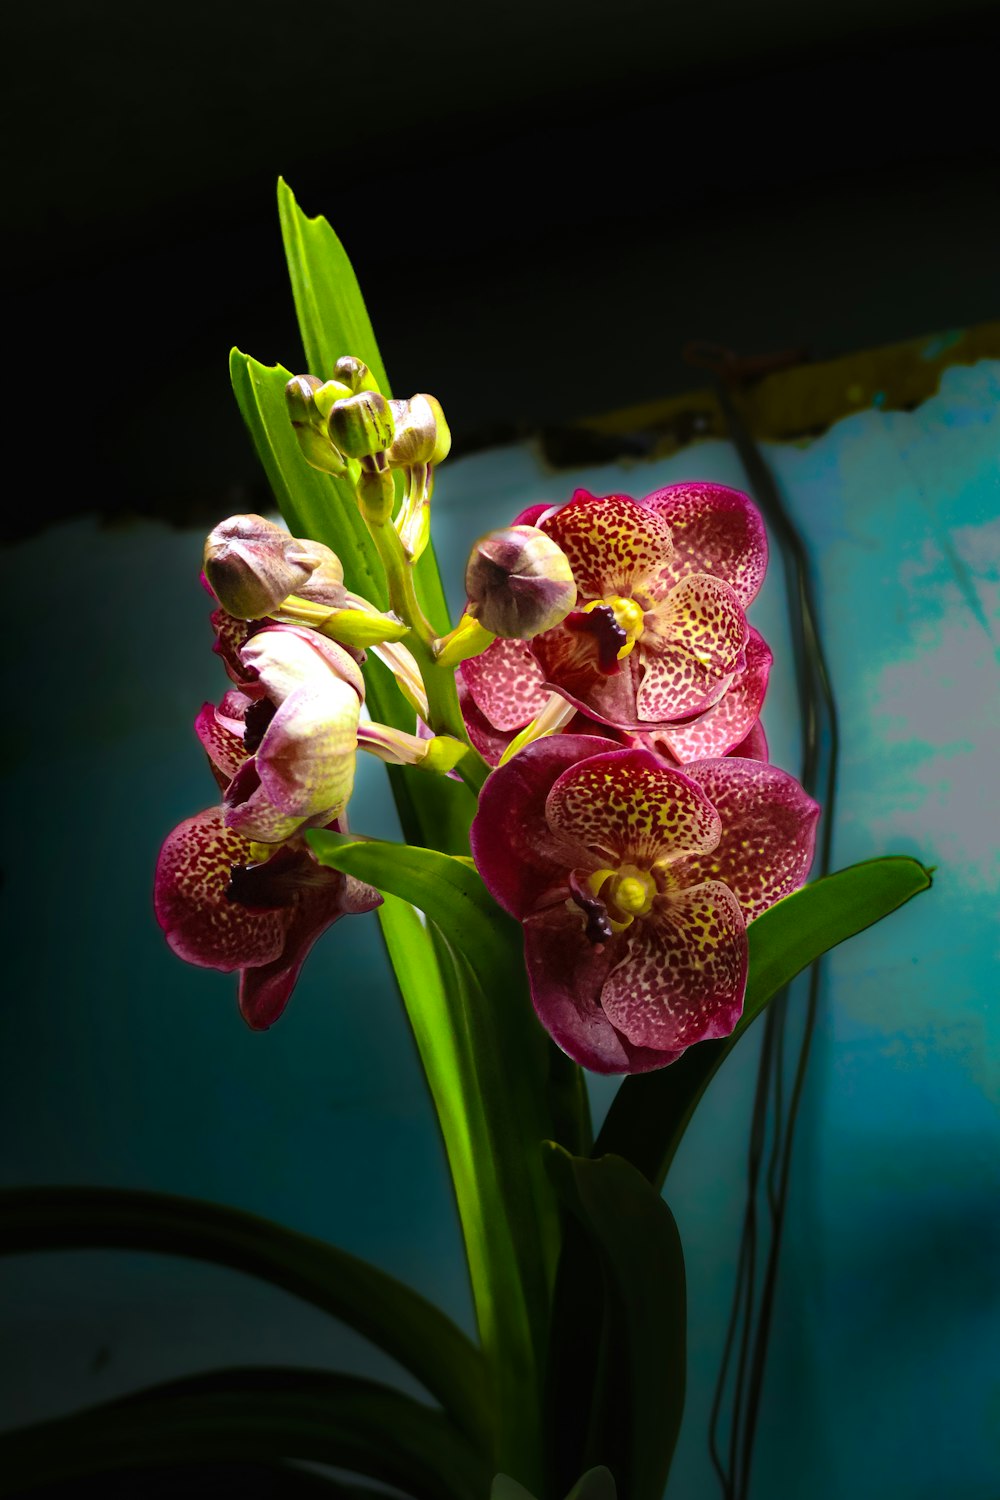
[[121, 1066]]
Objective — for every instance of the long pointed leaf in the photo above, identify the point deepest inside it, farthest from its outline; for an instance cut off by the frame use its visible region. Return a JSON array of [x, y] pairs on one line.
[[650, 1112], [636, 1392], [487, 1065], [333, 320], [254, 1415], [392, 1316]]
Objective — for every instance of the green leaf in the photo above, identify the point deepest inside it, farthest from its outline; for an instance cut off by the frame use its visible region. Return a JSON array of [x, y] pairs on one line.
[[488, 1068], [333, 320], [392, 1316], [596, 1484], [256, 1416], [626, 1406], [650, 1112]]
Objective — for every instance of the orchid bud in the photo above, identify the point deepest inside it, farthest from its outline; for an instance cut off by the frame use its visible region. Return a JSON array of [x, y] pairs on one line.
[[354, 374], [329, 392], [422, 435], [252, 565], [308, 415], [361, 425], [325, 585], [519, 582]]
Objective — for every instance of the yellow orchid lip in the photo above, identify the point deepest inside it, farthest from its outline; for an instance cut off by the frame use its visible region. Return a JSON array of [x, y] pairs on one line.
[[627, 892]]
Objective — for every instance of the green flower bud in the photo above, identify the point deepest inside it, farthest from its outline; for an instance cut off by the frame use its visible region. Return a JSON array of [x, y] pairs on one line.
[[422, 435], [329, 392], [354, 374], [252, 565], [361, 425], [519, 582], [376, 495], [300, 395], [308, 412]]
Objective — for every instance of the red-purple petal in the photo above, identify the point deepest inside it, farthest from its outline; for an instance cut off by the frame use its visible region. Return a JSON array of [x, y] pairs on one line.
[[519, 857], [625, 806], [768, 831], [200, 924], [683, 977], [506, 684], [715, 530], [222, 741], [692, 649], [614, 544], [731, 720], [265, 990], [567, 975]]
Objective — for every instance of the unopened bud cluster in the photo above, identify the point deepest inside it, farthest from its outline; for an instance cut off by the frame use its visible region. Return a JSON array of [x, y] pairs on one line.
[[348, 420]]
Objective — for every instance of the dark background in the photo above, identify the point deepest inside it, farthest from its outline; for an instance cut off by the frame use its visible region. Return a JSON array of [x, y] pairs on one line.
[[544, 203]]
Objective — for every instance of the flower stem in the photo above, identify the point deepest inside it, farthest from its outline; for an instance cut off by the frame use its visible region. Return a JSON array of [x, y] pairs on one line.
[[444, 714]]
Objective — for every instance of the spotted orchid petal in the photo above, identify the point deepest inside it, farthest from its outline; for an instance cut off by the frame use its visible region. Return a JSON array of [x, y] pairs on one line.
[[221, 732], [684, 974], [715, 530], [295, 900], [753, 746], [567, 980], [523, 860], [624, 805], [768, 831], [200, 924], [615, 545], [693, 648], [506, 684], [727, 724]]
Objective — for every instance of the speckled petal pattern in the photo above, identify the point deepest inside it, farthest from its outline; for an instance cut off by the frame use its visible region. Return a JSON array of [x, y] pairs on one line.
[[684, 975], [222, 741], [692, 651], [768, 831], [189, 896], [725, 726], [522, 859], [567, 976], [614, 544], [624, 806], [715, 530], [506, 684]]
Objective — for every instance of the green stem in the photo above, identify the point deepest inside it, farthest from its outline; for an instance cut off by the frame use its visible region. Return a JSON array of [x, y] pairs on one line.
[[444, 714]]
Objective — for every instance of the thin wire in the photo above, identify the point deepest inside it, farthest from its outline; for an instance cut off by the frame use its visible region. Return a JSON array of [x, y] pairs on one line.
[[819, 713]]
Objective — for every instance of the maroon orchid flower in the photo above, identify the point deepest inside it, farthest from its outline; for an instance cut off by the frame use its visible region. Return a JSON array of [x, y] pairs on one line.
[[634, 882], [659, 638], [220, 910]]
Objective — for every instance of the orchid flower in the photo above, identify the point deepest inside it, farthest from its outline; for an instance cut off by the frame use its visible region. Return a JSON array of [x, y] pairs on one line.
[[659, 638], [634, 883], [220, 910], [300, 734]]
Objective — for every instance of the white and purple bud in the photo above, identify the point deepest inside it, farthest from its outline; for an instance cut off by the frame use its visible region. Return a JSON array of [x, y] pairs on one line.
[[519, 582], [252, 565]]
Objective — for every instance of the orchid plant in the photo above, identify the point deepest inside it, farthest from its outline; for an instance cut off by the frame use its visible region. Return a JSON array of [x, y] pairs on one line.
[[601, 871]]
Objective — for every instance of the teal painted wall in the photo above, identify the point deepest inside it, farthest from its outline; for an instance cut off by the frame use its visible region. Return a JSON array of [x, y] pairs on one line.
[[121, 1066]]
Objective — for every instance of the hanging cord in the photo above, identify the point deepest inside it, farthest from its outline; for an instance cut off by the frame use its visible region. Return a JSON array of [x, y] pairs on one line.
[[750, 1319]]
